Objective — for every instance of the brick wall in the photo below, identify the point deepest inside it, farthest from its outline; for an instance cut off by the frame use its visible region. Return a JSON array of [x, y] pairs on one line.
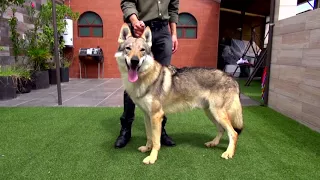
[[295, 68], [194, 52]]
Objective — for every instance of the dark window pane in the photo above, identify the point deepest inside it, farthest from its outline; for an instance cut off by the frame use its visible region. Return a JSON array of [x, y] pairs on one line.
[[190, 33], [84, 31], [97, 21], [183, 19], [83, 21], [90, 17], [186, 19], [97, 31], [192, 21], [179, 32]]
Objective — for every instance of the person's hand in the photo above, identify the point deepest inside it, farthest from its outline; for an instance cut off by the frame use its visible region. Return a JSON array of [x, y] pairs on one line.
[[174, 43], [138, 27]]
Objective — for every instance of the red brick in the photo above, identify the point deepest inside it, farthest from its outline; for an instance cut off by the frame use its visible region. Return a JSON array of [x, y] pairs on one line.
[[196, 52]]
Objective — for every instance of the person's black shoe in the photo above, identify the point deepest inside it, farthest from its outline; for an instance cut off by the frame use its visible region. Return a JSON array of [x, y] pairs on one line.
[[165, 139], [123, 138], [126, 120]]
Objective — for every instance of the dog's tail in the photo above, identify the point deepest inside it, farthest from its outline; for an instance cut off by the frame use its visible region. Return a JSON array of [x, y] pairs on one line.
[[237, 117]]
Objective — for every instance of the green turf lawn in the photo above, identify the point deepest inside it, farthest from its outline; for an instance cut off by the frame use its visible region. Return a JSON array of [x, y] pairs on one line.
[[77, 143], [253, 91]]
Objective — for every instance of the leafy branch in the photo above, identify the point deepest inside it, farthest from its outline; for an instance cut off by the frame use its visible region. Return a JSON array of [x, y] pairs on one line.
[[45, 16], [4, 4], [14, 35]]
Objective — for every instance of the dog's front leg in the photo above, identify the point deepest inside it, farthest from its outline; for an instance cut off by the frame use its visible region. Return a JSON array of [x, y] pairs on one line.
[[147, 124], [156, 120]]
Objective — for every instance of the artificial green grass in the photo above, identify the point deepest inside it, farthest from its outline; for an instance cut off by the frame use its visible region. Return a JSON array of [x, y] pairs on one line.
[[77, 143], [253, 91]]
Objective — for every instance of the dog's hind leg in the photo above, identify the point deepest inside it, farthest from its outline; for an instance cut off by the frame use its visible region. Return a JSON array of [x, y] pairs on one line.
[[222, 117], [147, 124], [220, 130]]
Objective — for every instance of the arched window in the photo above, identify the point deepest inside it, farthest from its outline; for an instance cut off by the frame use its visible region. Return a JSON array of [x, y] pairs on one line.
[[90, 25], [187, 26]]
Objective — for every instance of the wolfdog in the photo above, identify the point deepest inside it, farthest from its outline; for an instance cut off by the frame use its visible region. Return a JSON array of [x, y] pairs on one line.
[[158, 90]]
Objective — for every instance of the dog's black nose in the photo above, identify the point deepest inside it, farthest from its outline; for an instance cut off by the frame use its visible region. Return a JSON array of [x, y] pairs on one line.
[[134, 60]]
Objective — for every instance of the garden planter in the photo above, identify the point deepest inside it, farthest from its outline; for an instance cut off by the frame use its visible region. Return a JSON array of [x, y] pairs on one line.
[[24, 85], [7, 88], [40, 79], [52, 76], [64, 74]]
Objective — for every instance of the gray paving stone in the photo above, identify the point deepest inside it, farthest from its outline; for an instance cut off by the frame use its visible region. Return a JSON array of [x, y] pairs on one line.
[[40, 102], [249, 102], [11, 103], [84, 93], [82, 102], [95, 94]]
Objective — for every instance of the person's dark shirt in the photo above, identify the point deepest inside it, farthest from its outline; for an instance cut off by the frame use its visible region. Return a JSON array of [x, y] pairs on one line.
[[147, 10]]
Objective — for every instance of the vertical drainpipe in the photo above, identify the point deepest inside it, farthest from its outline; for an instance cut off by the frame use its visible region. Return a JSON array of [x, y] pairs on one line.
[[269, 53]]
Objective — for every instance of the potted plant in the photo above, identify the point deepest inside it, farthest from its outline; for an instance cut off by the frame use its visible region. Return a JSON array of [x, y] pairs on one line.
[[24, 83], [39, 58], [66, 61], [7, 83], [52, 72], [47, 36]]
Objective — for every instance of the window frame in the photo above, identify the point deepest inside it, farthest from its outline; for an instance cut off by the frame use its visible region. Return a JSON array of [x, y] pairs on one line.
[[90, 26], [185, 27]]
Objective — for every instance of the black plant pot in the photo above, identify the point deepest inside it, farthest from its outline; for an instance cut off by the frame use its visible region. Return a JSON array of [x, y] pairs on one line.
[[8, 89], [24, 85], [40, 80], [52, 76], [64, 74]]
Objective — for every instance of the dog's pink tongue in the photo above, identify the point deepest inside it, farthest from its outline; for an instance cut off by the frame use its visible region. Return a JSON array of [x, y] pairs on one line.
[[132, 75]]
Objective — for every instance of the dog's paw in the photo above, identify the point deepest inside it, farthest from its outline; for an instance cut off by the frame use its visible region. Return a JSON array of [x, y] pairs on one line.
[[211, 143], [149, 160], [227, 154], [144, 149]]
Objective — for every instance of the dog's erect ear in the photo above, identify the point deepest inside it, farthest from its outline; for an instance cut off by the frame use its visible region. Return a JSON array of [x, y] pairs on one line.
[[147, 36], [124, 33]]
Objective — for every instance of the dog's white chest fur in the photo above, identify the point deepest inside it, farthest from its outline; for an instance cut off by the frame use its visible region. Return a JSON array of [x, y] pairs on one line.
[[138, 94]]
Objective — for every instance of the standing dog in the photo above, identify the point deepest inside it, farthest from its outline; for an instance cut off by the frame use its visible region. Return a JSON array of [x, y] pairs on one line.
[[158, 90]]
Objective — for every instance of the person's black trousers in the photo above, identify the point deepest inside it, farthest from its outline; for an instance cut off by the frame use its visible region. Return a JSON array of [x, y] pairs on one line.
[[162, 52]]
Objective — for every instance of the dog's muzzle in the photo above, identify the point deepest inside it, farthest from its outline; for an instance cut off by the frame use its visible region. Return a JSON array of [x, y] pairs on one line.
[[134, 62]]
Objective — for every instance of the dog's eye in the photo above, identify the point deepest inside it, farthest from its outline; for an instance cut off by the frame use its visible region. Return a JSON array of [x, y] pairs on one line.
[[128, 48], [142, 49]]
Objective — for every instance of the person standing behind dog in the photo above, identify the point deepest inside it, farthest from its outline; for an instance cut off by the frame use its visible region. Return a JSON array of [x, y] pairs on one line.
[[159, 15]]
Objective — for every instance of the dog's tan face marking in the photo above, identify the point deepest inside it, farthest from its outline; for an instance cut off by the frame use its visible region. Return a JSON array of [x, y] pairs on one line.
[[136, 47]]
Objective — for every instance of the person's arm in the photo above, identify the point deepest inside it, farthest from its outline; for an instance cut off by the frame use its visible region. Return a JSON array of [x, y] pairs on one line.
[[173, 11], [173, 28], [129, 10]]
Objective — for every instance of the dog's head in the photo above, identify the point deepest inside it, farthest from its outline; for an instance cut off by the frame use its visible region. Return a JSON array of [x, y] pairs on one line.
[[134, 55]]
